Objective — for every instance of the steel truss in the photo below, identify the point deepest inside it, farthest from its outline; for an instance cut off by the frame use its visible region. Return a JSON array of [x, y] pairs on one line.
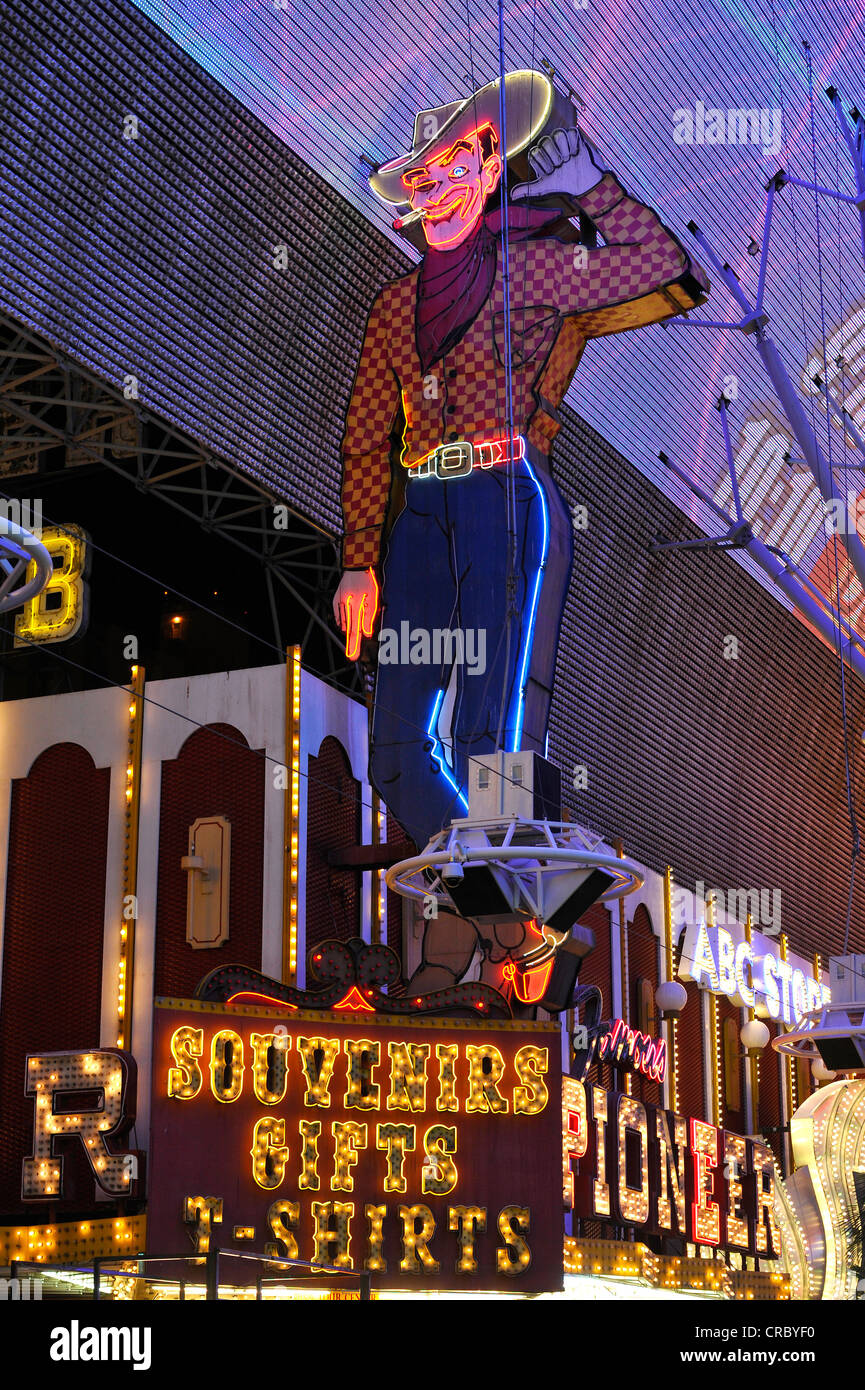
[[813, 605], [50, 401]]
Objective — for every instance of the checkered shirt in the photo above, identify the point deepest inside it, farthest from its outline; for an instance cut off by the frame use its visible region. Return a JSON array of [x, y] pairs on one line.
[[561, 295]]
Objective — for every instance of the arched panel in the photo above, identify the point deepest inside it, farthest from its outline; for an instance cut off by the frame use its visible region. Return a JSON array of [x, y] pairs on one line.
[[333, 895], [643, 979], [769, 1093], [52, 946], [395, 834], [732, 1067], [597, 970], [216, 773], [692, 1060]]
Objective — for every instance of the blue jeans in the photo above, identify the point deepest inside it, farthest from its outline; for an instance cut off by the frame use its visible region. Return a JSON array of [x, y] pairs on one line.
[[439, 700]]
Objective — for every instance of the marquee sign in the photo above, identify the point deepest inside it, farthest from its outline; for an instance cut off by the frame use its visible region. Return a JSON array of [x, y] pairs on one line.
[[84, 1098], [750, 973], [422, 1153], [631, 1163], [624, 1047]]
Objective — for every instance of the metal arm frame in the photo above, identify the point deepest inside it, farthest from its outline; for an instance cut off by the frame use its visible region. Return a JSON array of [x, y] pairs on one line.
[[814, 606], [50, 401]]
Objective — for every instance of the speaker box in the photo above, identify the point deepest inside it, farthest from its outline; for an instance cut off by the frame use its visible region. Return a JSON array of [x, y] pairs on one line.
[[478, 894], [514, 784], [842, 1054], [576, 899]]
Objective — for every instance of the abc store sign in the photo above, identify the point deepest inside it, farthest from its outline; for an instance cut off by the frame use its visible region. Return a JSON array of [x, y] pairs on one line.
[[751, 973]]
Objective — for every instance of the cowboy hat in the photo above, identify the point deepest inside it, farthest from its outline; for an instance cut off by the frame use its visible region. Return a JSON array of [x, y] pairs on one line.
[[529, 101]]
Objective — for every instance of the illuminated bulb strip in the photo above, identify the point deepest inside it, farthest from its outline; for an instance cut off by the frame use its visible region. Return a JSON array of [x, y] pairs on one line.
[[292, 816], [818, 976], [378, 904], [670, 974], [789, 1063], [633, 1201], [718, 1067], [416, 1257], [129, 877], [753, 1062], [72, 1240], [621, 1260], [375, 1215], [623, 955]]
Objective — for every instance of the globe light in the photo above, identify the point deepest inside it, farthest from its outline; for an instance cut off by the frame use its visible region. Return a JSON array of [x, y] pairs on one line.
[[821, 1072], [671, 998], [755, 1036]]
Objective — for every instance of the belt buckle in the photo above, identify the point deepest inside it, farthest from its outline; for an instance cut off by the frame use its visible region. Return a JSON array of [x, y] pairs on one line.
[[424, 469], [457, 459], [453, 460]]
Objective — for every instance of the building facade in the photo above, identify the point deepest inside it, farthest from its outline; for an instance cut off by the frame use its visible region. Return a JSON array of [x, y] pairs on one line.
[[213, 466]]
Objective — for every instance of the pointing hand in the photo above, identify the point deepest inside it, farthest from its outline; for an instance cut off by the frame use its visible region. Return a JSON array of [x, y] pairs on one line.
[[355, 605]]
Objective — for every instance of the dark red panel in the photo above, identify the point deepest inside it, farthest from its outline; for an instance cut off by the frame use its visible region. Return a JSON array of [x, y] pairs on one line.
[[597, 967], [769, 1091], [215, 774], [732, 1067], [643, 964], [597, 970], [804, 1082], [692, 1060], [395, 833], [333, 896], [52, 950]]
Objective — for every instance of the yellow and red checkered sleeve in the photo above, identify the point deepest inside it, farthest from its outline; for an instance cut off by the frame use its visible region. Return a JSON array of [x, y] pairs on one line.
[[640, 256], [366, 475]]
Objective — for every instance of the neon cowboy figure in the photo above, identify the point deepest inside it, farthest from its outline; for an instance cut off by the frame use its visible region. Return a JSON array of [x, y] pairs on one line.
[[428, 444]]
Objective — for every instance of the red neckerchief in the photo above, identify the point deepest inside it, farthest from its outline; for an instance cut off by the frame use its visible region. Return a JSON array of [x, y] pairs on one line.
[[453, 286]]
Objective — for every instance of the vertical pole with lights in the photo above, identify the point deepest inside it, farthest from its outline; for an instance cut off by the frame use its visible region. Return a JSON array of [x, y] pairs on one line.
[[717, 1063], [789, 1065], [753, 1061], [818, 977], [378, 898], [717, 1079], [619, 957], [669, 974], [619, 847], [291, 816], [129, 885]]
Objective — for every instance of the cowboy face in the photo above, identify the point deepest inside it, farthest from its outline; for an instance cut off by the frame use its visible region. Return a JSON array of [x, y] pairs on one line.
[[451, 187]]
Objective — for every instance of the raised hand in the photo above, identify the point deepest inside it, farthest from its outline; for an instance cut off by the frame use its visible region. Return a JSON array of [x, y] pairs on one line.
[[563, 162]]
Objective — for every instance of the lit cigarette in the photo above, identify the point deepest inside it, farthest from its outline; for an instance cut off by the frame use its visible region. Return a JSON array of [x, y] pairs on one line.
[[408, 219]]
